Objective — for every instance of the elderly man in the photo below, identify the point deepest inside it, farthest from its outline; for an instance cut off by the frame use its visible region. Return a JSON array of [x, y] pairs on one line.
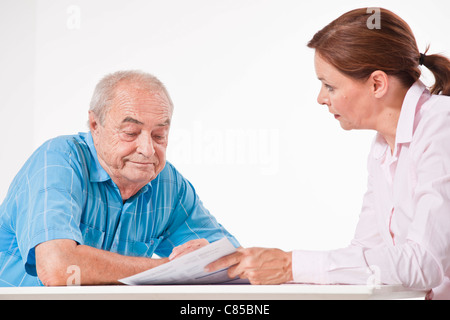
[[102, 203]]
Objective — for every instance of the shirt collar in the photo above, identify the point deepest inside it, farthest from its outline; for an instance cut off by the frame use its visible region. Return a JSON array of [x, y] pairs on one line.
[[405, 126], [406, 121], [96, 171]]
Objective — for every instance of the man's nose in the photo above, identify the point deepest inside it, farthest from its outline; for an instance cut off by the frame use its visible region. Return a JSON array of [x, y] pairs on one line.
[[145, 145]]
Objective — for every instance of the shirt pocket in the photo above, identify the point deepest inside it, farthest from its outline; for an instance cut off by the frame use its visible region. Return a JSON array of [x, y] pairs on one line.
[[146, 249], [139, 248], [91, 236]]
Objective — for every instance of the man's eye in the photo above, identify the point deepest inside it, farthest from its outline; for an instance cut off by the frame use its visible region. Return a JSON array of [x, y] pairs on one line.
[[129, 135], [157, 137]]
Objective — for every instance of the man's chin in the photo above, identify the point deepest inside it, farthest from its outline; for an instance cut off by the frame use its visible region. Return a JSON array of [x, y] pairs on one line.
[[142, 175], [141, 171], [140, 180]]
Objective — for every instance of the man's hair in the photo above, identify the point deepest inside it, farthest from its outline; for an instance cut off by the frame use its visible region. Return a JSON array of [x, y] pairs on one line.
[[104, 92]]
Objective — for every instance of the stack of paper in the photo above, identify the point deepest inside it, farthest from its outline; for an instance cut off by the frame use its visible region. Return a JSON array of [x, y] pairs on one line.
[[188, 269]]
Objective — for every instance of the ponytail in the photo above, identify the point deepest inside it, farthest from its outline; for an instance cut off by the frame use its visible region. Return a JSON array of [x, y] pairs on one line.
[[439, 65]]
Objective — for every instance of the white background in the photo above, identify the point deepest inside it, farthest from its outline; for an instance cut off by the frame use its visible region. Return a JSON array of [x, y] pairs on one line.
[[272, 165]]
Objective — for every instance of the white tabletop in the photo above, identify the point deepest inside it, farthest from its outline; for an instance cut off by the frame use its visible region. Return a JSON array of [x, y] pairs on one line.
[[212, 292]]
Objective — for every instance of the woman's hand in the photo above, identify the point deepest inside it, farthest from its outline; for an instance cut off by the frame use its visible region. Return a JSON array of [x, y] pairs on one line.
[[258, 265]]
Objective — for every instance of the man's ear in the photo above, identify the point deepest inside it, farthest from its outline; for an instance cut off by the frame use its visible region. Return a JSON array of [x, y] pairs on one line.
[[93, 122], [379, 82]]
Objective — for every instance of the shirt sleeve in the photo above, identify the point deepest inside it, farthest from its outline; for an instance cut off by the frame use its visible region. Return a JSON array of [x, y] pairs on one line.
[[52, 206], [412, 264], [342, 266], [422, 260], [190, 220]]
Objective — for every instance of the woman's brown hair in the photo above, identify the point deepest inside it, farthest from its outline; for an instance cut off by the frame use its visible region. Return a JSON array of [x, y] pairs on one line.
[[357, 49]]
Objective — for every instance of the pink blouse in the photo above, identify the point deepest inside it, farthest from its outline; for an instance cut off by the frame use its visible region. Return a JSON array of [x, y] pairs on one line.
[[403, 233]]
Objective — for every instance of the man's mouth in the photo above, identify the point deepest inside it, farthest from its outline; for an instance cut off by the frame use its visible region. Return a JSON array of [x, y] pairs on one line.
[[142, 163]]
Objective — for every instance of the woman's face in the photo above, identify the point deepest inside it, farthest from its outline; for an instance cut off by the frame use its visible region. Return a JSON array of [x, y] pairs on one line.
[[347, 99]]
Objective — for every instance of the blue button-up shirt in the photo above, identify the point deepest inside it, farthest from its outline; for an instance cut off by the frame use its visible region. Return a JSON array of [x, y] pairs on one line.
[[62, 192]]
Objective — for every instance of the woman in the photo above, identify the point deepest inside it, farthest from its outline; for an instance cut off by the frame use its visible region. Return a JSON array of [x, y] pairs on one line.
[[370, 80]]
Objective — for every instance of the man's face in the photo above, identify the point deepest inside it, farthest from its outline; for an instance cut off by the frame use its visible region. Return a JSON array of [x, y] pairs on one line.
[[131, 143]]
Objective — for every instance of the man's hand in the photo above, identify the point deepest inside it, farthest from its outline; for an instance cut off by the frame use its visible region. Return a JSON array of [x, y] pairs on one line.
[[188, 247], [258, 265], [97, 267]]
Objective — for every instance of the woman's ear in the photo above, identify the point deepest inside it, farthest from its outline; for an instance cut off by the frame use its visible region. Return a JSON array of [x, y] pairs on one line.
[[379, 82]]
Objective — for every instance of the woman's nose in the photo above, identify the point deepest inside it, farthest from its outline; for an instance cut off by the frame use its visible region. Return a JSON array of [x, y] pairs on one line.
[[323, 99]]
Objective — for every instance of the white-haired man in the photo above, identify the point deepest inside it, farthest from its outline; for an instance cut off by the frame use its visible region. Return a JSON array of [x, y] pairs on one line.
[[103, 201]]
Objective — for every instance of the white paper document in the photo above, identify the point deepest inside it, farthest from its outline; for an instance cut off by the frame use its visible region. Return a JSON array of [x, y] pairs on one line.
[[188, 269]]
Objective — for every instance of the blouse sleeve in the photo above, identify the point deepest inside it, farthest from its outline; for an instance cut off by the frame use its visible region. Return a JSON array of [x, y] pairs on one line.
[[347, 265], [423, 258]]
